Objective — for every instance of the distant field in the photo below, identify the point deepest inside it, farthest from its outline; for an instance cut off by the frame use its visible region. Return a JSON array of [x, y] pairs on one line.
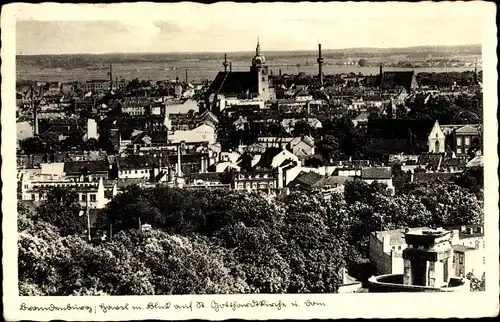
[[202, 66]]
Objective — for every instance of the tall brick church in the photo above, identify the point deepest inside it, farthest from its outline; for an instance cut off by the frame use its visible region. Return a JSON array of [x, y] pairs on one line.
[[253, 84]]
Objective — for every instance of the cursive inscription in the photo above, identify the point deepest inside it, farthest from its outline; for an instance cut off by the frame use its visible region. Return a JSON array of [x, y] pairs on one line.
[[233, 305], [214, 305], [52, 307], [105, 308]]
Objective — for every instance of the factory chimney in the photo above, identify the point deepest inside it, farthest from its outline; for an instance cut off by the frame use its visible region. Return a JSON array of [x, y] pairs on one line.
[[230, 67], [110, 77], [320, 61], [476, 78], [186, 75], [225, 64], [35, 109]]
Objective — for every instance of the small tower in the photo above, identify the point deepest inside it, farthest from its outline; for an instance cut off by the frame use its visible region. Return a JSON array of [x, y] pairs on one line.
[[320, 61], [428, 258]]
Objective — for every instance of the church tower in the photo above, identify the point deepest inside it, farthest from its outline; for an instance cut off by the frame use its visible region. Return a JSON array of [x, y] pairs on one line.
[[259, 71]]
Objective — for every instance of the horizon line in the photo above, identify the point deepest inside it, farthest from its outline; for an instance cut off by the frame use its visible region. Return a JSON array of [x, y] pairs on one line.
[[246, 51]]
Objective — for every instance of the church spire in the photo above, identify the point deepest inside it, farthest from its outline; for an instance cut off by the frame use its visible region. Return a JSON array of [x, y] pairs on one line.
[[257, 49]]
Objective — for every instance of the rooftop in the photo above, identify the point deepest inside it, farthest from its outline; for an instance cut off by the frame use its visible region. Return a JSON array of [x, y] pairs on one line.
[[376, 173]]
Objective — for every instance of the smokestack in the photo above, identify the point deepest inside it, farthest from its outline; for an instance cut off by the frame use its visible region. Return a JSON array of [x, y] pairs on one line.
[[280, 72], [179, 160], [320, 65], [35, 111], [110, 77], [116, 82], [225, 63], [381, 69], [186, 75], [230, 67]]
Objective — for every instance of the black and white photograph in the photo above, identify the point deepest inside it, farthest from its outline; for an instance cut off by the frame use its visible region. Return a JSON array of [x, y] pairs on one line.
[[267, 148]]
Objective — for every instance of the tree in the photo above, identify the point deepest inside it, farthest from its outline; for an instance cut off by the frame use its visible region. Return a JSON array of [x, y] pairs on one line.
[[91, 144], [362, 62], [275, 129], [301, 128], [358, 190], [61, 209], [34, 145]]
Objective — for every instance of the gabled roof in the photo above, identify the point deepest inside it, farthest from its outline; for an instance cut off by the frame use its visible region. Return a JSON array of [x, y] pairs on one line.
[[208, 176], [306, 139], [399, 128], [75, 167], [392, 79], [234, 83], [448, 129], [136, 162], [422, 177], [376, 173], [430, 159], [453, 162], [363, 116], [476, 162], [469, 129], [267, 157], [207, 115], [307, 179], [333, 181], [158, 136]]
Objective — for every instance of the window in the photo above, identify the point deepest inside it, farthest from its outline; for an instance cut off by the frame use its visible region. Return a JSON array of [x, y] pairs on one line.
[[136, 171], [84, 197], [467, 141], [484, 245], [263, 79], [93, 197], [399, 247], [32, 196], [484, 260], [240, 185], [460, 258], [254, 185], [459, 150], [248, 185], [459, 141]]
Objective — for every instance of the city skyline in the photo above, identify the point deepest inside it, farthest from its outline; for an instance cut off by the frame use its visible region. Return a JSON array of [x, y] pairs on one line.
[[189, 27]]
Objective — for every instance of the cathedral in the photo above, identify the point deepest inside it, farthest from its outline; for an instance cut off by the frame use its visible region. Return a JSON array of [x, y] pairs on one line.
[[253, 84]]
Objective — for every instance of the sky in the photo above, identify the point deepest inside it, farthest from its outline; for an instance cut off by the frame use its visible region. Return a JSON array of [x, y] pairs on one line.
[[224, 27]]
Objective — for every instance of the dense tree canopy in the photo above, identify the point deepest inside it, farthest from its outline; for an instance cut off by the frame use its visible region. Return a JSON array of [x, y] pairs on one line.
[[210, 241]]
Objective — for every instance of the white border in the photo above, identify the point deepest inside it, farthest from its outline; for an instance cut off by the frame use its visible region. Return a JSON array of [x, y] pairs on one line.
[[338, 305]]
